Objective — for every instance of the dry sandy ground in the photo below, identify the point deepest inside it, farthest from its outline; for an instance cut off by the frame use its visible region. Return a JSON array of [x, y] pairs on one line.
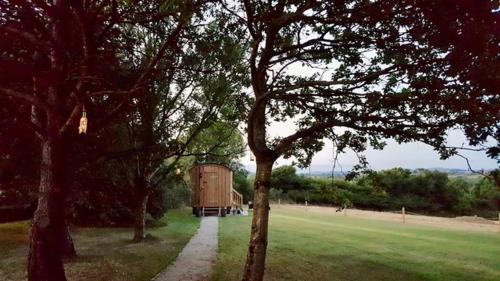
[[196, 259], [460, 223]]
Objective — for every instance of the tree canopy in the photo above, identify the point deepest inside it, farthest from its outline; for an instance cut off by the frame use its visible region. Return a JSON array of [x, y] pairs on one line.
[[357, 72]]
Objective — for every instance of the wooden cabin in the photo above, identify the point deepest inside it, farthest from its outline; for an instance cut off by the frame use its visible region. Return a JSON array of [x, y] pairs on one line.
[[213, 191]]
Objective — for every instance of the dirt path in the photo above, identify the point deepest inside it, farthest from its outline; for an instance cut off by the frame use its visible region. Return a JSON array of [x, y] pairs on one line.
[[196, 259]]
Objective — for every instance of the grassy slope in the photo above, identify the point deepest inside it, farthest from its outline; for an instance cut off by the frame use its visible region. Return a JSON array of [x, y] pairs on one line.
[[105, 254], [306, 246]]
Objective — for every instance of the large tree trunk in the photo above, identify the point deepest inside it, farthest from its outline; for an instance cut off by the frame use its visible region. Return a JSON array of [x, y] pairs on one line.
[[140, 214], [45, 259], [66, 245], [256, 255]]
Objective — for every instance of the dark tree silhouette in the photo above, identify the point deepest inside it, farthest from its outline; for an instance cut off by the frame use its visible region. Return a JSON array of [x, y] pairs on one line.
[[61, 58]]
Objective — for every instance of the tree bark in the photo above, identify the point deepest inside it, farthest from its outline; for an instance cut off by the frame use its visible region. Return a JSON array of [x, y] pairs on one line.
[[256, 255], [45, 259], [67, 246], [140, 215]]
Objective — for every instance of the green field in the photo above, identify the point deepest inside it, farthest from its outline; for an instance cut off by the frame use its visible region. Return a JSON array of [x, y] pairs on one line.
[[314, 246], [104, 254]]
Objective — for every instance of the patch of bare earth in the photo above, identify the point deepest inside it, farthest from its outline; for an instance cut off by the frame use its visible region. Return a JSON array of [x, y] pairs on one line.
[[459, 223]]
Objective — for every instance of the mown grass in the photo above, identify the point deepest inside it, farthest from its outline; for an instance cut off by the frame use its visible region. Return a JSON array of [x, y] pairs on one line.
[[104, 254], [311, 246]]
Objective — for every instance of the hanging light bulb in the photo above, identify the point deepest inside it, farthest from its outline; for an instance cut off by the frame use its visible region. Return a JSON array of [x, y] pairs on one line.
[[83, 123]]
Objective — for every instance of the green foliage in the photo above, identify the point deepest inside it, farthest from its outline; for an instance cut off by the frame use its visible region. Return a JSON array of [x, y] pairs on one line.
[[286, 179], [101, 198], [241, 182], [487, 195], [104, 195], [372, 70], [220, 143], [173, 194], [18, 176], [421, 191]]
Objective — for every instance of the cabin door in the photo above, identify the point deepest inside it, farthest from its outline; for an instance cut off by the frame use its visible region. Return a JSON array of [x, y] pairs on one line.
[[211, 180]]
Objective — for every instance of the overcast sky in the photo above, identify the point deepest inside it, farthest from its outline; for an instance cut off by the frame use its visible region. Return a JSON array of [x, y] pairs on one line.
[[411, 155]]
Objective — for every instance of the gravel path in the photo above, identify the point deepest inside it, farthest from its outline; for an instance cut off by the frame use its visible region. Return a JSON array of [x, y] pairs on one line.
[[196, 259]]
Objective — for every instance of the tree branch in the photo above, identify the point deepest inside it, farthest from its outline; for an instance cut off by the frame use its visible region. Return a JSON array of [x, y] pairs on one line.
[[25, 36], [30, 99]]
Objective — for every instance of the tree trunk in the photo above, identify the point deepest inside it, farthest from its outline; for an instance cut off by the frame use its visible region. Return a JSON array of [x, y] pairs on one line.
[[140, 217], [67, 246], [45, 259], [256, 255]]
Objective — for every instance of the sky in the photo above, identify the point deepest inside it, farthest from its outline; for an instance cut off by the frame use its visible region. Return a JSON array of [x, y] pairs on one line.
[[411, 155]]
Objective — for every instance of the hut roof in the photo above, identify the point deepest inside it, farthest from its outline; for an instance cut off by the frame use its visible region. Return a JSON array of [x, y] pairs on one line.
[[217, 164]]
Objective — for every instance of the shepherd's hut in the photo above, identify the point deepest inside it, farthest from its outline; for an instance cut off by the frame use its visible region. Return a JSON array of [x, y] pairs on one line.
[[213, 191]]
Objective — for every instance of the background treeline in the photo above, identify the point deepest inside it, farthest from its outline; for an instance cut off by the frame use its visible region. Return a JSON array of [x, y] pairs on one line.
[[102, 188], [420, 191], [105, 201], [101, 197]]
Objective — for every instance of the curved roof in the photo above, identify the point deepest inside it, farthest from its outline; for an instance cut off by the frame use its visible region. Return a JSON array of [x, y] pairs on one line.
[[207, 164]]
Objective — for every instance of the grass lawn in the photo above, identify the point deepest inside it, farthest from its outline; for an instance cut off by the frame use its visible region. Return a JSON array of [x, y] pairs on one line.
[[312, 246], [105, 254]]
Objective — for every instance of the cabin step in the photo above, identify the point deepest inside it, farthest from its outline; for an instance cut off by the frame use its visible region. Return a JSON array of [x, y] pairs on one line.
[[211, 211]]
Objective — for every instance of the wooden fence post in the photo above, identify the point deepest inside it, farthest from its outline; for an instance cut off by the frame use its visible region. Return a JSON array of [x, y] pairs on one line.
[[306, 205], [404, 214]]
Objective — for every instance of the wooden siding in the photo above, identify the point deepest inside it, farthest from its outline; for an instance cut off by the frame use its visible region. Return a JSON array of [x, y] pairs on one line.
[[213, 186]]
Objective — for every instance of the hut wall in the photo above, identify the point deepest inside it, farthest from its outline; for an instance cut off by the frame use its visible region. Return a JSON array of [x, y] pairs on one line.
[[212, 186]]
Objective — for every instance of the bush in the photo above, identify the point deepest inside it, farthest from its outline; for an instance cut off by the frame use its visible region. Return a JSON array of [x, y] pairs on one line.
[[421, 191], [285, 178], [172, 195], [242, 184], [102, 198]]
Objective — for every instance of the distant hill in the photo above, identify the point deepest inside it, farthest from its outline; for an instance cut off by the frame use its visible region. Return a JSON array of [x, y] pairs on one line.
[[449, 171], [325, 171]]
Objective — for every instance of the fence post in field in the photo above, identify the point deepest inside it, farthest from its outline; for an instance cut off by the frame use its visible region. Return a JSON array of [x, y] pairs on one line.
[[404, 214], [345, 211], [279, 203], [306, 205]]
